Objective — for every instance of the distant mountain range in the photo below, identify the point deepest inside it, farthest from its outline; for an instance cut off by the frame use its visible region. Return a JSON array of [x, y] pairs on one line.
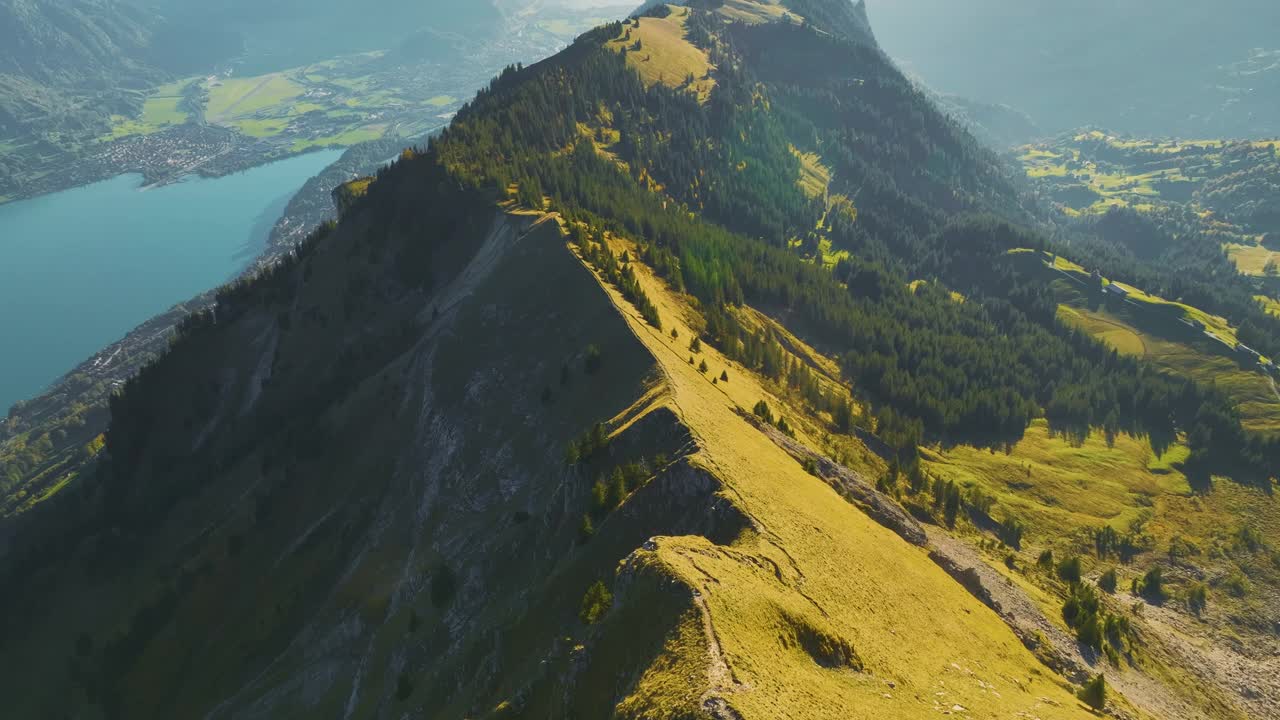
[[1145, 67], [70, 61], [287, 33], [67, 65]]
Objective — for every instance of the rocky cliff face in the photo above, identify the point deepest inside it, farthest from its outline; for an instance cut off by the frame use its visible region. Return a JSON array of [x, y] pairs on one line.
[[397, 527]]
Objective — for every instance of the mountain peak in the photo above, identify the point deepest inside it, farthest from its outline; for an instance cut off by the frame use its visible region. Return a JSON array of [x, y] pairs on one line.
[[838, 17]]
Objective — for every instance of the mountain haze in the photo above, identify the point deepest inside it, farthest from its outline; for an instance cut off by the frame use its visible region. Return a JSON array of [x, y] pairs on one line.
[[704, 370], [1143, 67], [68, 66], [287, 33], [59, 59]]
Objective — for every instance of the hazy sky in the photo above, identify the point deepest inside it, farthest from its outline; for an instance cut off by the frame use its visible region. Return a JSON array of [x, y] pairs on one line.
[[1109, 62]]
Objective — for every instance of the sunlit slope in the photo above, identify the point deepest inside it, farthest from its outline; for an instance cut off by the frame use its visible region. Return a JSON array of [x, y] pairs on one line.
[[818, 610], [1174, 336], [657, 48]]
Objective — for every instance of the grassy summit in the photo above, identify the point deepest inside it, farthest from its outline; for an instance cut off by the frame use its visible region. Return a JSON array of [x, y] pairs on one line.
[[658, 49]]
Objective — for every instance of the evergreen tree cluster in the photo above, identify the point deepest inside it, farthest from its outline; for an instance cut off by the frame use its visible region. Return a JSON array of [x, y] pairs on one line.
[[1108, 542], [621, 273], [611, 489], [595, 603], [1094, 692], [587, 445], [1106, 632]]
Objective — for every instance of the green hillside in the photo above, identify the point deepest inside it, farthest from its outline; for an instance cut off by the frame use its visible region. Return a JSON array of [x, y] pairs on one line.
[[741, 394], [1189, 224], [1172, 336]]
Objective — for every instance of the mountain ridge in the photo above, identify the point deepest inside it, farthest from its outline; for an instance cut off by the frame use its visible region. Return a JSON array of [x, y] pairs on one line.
[[628, 349]]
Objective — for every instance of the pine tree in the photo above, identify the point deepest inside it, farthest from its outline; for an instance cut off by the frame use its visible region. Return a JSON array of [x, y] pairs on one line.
[[1107, 581], [600, 496], [595, 603], [617, 489], [1045, 561], [843, 415], [952, 509], [591, 363], [1197, 598], [1069, 569], [762, 411], [404, 687], [1094, 692]]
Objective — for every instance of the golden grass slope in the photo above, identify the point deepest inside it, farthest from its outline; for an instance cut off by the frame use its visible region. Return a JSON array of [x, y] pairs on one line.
[[818, 612], [664, 55], [1251, 259], [1064, 489], [1058, 486], [815, 178], [1123, 338], [756, 11]]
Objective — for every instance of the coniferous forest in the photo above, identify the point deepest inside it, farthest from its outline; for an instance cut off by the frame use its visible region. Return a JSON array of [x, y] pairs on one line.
[[968, 372]]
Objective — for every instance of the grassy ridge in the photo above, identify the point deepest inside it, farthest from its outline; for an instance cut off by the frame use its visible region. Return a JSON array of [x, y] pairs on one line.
[[793, 633], [658, 49]]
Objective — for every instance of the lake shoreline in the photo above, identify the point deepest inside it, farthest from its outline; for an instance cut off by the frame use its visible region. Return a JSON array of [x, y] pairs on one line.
[[232, 154], [221, 232]]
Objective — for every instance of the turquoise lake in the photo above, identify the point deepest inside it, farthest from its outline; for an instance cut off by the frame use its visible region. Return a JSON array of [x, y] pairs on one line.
[[81, 268]]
